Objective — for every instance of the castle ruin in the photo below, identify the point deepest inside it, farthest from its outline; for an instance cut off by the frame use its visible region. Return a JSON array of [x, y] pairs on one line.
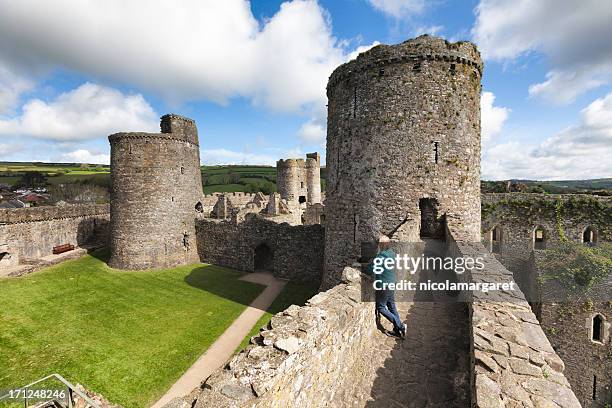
[[403, 159]]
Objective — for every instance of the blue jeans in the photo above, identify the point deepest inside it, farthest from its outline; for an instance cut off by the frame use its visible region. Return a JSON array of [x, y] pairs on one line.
[[385, 305]]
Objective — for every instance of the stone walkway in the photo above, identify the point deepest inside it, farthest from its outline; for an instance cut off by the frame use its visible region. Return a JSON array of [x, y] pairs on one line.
[[428, 369], [223, 348]]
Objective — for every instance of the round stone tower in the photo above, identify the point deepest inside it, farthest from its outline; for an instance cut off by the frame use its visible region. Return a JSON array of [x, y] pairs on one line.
[[313, 178], [156, 186], [288, 178], [403, 147]]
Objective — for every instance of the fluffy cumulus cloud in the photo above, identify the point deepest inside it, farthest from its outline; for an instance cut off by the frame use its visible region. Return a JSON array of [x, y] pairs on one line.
[[492, 117], [11, 88], [575, 37], [580, 151], [87, 112], [192, 50], [398, 8]]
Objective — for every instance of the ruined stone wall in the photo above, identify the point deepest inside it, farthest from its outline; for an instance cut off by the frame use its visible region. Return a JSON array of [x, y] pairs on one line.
[[239, 199], [31, 233], [588, 364], [403, 125], [513, 363], [156, 184], [569, 325], [297, 250], [318, 355], [518, 215]]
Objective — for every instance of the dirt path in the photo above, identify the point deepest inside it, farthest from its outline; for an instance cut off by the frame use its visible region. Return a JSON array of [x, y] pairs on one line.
[[223, 348]]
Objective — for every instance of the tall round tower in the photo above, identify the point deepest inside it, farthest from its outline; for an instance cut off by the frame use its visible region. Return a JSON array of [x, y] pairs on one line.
[[313, 178], [403, 147], [156, 186], [288, 175]]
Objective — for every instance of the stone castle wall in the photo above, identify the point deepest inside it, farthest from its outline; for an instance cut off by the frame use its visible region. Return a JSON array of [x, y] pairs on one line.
[[320, 354], [567, 324], [513, 362], [30, 233], [239, 199], [403, 125], [297, 251], [156, 185], [518, 215]]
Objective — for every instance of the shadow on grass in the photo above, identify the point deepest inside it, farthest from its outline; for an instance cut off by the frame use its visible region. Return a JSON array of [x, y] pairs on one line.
[[219, 281], [224, 283]]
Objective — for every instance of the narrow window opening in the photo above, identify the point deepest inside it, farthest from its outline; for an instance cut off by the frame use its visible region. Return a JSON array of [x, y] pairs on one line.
[[186, 240], [598, 324], [436, 152], [172, 198], [594, 387], [453, 68], [301, 184], [302, 199], [354, 227], [182, 170], [354, 102]]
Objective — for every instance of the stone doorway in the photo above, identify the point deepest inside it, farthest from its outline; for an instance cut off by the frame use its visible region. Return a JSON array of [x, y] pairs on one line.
[[432, 226], [263, 259]]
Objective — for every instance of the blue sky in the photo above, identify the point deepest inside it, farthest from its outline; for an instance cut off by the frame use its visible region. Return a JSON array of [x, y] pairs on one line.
[[253, 75]]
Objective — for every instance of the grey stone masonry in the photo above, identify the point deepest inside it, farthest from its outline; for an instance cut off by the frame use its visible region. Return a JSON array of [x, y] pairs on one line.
[[156, 187], [513, 363], [27, 234], [403, 137]]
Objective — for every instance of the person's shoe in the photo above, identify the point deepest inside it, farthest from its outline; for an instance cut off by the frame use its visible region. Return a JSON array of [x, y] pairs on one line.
[[403, 330]]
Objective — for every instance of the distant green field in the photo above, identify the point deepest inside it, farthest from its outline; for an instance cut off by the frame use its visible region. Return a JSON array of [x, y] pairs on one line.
[[249, 178]]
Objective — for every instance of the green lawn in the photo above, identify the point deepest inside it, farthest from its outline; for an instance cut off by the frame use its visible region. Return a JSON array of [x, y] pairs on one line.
[[127, 335], [293, 294]]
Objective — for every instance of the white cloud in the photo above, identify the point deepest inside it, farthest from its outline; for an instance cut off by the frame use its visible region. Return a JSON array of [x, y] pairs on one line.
[[312, 132], [192, 50], [492, 117], [11, 88], [85, 156], [399, 8], [580, 151], [575, 37], [87, 112]]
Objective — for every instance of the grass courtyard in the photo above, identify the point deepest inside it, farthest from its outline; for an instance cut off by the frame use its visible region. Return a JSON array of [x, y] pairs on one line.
[[127, 335]]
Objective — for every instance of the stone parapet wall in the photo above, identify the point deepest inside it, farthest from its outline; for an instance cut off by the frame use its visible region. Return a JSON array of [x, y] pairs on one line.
[[513, 363], [297, 250], [27, 234], [48, 213], [311, 356]]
